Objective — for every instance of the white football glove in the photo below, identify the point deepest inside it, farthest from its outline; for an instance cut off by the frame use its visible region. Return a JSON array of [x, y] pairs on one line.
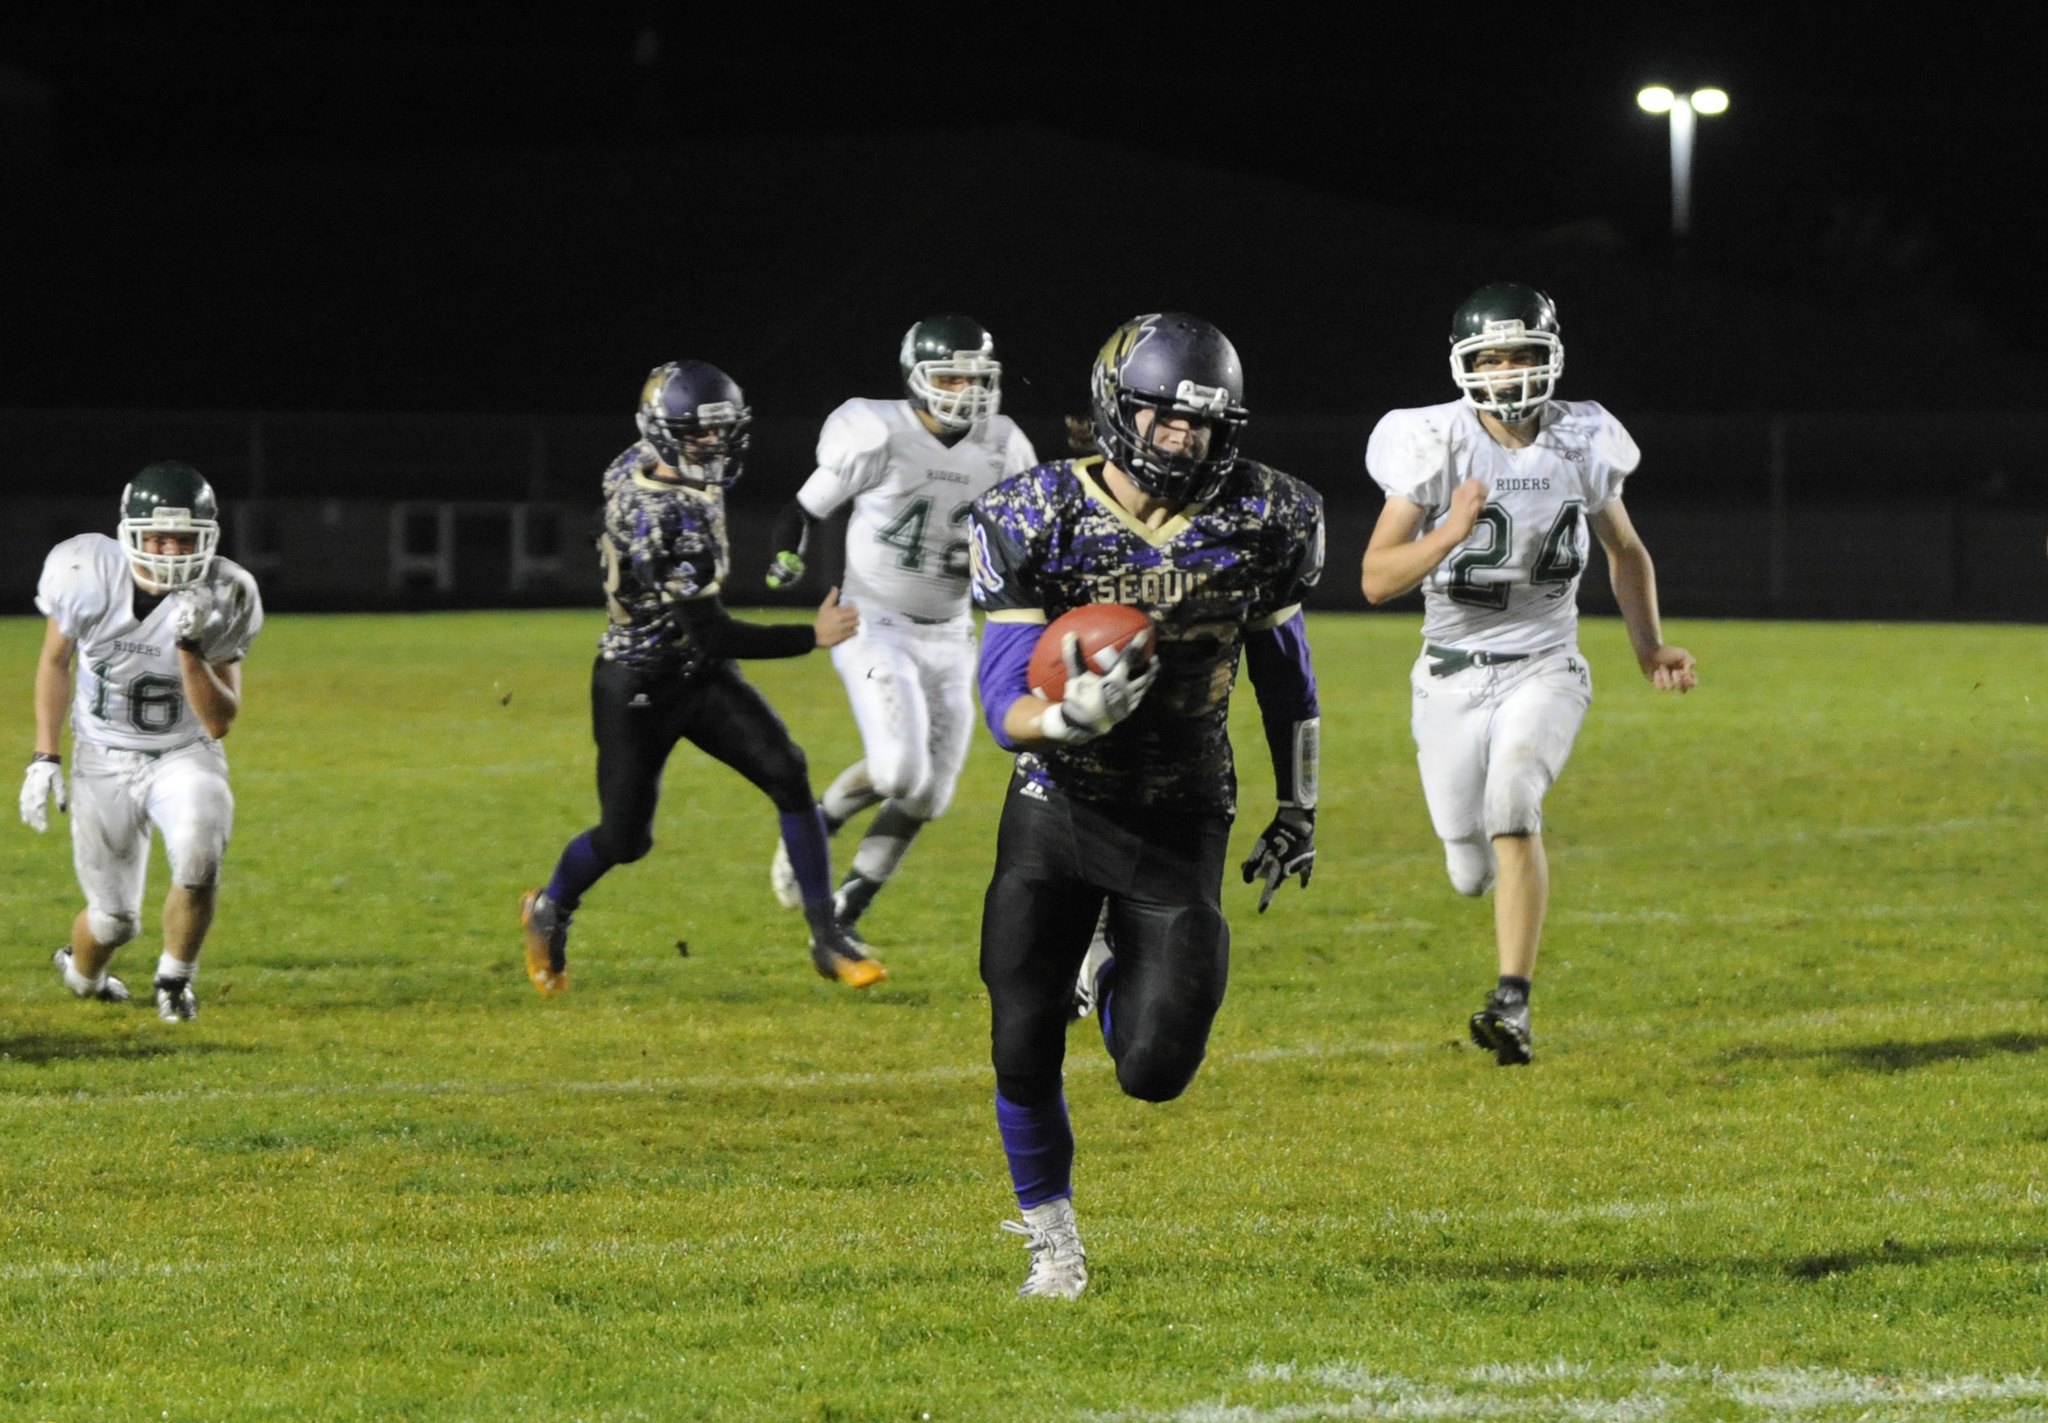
[[192, 608], [1096, 701], [1285, 847], [45, 779], [212, 616]]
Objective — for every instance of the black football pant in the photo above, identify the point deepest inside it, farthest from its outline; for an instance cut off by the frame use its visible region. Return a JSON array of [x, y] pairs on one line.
[[1162, 872], [638, 717]]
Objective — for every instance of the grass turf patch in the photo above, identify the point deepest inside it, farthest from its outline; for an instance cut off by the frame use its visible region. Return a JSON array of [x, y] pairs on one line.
[[1781, 1153]]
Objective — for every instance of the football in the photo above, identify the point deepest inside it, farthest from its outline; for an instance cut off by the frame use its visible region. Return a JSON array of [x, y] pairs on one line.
[[1104, 629]]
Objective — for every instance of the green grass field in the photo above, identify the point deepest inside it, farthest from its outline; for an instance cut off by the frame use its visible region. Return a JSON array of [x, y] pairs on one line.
[[1783, 1153]]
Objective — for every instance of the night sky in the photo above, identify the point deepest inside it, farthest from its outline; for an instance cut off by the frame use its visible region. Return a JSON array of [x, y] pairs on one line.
[[252, 158]]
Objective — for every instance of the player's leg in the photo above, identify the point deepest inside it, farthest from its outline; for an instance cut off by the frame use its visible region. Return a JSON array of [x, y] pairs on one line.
[[850, 793], [867, 663], [1159, 994], [1036, 919], [885, 688], [732, 722], [876, 667], [110, 851], [634, 718], [1449, 726], [190, 802], [941, 701], [1531, 734]]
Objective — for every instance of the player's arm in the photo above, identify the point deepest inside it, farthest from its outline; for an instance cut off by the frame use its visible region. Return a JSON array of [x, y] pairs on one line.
[[1396, 560], [720, 634], [850, 460], [213, 689], [1283, 679], [1634, 577], [53, 688], [44, 780], [1096, 699], [791, 541], [1013, 712]]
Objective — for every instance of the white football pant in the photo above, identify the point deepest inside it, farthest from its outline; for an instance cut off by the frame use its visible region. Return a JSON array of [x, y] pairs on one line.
[[1490, 742], [912, 690], [116, 796]]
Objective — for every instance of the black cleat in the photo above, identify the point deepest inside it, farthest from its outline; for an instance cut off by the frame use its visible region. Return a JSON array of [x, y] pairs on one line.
[[546, 929], [175, 1002], [1502, 1028]]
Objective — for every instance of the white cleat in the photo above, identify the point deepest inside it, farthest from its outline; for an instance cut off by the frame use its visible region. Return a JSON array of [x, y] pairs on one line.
[[108, 989], [1099, 954], [782, 879], [1059, 1266], [175, 1001]]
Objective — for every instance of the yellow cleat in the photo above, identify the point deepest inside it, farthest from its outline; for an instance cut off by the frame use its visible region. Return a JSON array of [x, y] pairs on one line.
[[547, 943], [839, 959]]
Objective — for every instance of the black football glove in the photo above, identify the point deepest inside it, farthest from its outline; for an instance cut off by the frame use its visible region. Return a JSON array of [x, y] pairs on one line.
[[1285, 847], [786, 571]]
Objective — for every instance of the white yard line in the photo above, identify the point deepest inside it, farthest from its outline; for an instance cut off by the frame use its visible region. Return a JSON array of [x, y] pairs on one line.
[[1532, 1391]]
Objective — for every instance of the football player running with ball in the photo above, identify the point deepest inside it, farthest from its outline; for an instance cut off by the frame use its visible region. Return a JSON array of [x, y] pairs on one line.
[[1488, 503], [1124, 790], [161, 623], [664, 670], [910, 468]]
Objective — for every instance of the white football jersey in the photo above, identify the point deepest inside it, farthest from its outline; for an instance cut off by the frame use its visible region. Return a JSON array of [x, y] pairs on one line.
[[129, 692], [906, 540], [1512, 585]]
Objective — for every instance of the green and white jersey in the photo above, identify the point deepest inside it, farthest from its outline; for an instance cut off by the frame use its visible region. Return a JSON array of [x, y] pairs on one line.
[[1512, 585], [906, 540], [129, 693]]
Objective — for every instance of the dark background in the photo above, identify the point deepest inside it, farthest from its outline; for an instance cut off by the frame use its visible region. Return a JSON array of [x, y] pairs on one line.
[[522, 207]]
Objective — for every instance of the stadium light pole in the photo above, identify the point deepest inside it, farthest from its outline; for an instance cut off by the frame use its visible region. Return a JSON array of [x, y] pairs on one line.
[[1682, 108]]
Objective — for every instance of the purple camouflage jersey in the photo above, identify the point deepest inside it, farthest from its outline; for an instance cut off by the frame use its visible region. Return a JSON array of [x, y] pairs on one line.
[[1051, 539], [663, 544]]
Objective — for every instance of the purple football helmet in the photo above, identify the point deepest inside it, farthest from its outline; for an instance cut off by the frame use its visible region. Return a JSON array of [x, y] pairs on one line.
[[1175, 365], [696, 418]]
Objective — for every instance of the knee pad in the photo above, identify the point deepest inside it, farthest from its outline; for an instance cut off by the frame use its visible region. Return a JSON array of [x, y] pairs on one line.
[[619, 849], [929, 803], [112, 930], [788, 782], [1161, 1049], [1516, 782], [1036, 1089], [196, 872], [1155, 1071], [900, 773], [1471, 865]]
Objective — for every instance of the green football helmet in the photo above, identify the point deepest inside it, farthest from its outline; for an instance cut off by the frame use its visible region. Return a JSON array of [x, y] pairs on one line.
[[951, 345], [170, 497], [1503, 315]]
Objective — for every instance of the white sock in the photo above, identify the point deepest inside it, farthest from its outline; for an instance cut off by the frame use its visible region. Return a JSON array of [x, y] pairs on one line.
[[78, 983], [168, 967]]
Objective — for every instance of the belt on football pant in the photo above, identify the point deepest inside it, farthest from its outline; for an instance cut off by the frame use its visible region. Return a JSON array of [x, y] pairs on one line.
[[1443, 661]]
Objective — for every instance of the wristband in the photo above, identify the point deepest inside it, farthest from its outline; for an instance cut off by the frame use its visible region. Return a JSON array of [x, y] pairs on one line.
[[54, 760]]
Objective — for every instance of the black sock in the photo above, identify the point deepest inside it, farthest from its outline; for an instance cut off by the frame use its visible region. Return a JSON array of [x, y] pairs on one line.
[[856, 893], [1517, 986]]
